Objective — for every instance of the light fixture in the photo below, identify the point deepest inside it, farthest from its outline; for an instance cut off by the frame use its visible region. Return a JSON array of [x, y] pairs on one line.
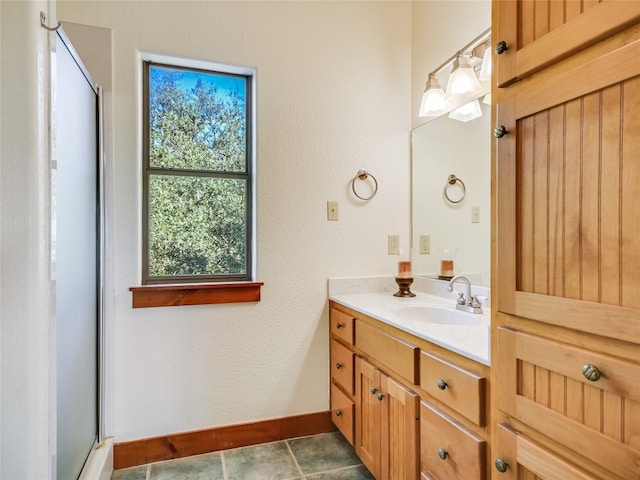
[[485, 70], [433, 99], [463, 85], [467, 112]]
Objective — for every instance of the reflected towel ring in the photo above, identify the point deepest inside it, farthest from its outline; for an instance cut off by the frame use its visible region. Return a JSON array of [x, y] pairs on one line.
[[363, 175], [452, 180]]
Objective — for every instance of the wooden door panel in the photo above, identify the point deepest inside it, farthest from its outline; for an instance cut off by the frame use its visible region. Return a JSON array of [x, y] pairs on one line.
[[567, 191], [543, 384], [399, 447], [528, 461], [541, 32], [367, 433]]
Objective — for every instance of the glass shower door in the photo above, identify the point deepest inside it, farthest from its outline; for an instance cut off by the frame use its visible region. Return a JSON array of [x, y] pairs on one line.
[[76, 247]]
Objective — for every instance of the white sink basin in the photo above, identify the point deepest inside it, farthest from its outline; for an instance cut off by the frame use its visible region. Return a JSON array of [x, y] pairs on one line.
[[437, 315]]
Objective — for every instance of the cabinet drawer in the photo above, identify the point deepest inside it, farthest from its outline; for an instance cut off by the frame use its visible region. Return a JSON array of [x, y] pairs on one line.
[[342, 366], [447, 449], [544, 383], [457, 388], [400, 356], [342, 409], [342, 325]]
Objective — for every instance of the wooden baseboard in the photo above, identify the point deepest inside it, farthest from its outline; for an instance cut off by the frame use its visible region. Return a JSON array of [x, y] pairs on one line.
[[147, 450]]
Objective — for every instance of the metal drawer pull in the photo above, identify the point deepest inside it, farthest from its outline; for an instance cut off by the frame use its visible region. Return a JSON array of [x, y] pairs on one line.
[[501, 465], [591, 372], [442, 453], [442, 385], [339, 365], [338, 413], [501, 47], [380, 396], [373, 390], [500, 131], [339, 325]]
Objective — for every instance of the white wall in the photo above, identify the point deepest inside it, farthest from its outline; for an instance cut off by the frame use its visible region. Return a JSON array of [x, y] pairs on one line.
[[334, 96], [27, 406]]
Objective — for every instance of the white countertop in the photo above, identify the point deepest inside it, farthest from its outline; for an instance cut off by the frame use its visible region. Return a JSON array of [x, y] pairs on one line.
[[373, 296]]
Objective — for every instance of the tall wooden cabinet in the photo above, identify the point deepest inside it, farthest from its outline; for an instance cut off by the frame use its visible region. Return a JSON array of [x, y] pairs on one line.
[[566, 328]]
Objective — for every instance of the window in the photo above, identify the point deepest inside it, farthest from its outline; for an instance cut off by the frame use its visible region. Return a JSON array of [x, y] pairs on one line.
[[198, 175]]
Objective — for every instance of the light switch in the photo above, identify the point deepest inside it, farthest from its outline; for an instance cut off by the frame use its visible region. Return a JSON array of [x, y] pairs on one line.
[[475, 214], [332, 211]]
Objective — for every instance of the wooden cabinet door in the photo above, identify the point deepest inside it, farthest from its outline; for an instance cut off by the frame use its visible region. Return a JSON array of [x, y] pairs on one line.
[[520, 458], [386, 424], [585, 401], [538, 33], [568, 249], [399, 433], [368, 415]]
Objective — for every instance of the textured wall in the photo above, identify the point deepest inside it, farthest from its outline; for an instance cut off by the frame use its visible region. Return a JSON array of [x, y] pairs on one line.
[[27, 424], [334, 96]]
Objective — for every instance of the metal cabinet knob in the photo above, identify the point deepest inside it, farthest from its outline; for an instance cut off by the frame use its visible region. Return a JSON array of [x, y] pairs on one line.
[[339, 325], [338, 413], [339, 365], [591, 372], [380, 396], [373, 390], [501, 465], [501, 47], [442, 453], [442, 385], [500, 131]]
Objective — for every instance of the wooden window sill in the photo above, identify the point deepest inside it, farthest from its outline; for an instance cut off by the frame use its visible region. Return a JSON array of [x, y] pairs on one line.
[[195, 294]]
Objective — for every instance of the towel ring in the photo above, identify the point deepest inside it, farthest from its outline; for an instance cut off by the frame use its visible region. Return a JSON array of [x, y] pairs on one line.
[[452, 180], [43, 23], [363, 175]]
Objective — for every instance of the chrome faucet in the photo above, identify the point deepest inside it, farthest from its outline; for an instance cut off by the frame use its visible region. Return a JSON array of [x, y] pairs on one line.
[[470, 303]]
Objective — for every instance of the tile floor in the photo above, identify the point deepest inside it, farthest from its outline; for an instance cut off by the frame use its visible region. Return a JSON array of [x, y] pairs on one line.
[[327, 456]]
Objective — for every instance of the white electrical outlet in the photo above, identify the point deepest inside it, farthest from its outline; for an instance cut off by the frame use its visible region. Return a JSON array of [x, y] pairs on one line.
[[475, 214], [394, 245], [425, 244], [332, 211]]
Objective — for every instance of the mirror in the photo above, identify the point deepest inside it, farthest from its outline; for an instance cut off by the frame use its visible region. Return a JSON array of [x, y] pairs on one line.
[[440, 148]]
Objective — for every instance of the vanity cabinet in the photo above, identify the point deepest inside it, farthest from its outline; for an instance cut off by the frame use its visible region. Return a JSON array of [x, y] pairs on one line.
[[405, 400], [566, 333]]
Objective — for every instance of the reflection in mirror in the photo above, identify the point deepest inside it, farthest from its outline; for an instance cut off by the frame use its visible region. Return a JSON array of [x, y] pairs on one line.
[[440, 148]]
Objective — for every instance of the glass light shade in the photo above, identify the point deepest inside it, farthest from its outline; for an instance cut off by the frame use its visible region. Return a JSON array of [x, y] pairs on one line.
[[467, 112], [485, 70], [433, 99], [463, 85]]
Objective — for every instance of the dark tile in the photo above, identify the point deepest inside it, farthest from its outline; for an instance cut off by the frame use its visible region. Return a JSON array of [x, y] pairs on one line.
[[351, 473], [319, 453], [270, 461], [134, 473], [199, 467]]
